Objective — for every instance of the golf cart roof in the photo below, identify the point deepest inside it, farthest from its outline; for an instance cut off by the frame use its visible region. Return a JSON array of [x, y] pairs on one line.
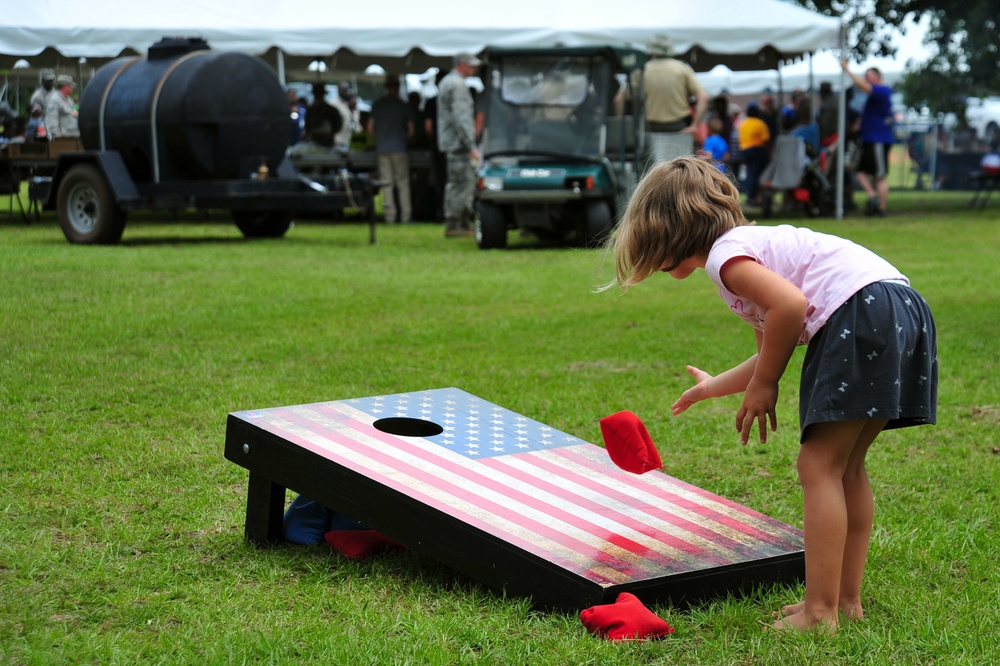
[[624, 58]]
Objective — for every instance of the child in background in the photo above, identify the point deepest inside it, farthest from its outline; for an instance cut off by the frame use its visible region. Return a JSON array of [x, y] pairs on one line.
[[870, 365], [755, 148], [715, 149], [36, 126]]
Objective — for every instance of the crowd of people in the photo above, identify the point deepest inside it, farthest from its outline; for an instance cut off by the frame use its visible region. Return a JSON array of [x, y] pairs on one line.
[[741, 140], [52, 111], [682, 119], [446, 125]]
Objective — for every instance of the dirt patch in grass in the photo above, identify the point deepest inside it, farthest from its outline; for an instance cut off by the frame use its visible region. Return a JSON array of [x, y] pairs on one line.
[[987, 413]]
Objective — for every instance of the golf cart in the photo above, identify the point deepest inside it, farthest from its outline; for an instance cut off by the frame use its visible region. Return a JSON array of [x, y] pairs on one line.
[[557, 161]]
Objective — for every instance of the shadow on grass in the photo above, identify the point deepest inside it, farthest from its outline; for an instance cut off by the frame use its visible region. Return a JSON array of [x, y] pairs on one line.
[[407, 572], [200, 240]]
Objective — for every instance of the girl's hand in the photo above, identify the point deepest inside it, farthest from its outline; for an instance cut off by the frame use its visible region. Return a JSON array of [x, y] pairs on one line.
[[758, 405], [694, 394]]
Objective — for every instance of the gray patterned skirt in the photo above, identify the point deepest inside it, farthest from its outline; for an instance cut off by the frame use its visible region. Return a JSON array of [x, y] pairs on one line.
[[875, 358]]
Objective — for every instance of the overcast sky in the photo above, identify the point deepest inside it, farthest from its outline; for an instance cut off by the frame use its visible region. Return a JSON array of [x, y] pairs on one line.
[[909, 46]]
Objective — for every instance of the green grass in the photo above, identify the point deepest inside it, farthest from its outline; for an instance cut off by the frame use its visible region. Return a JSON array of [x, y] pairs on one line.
[[121, 525]]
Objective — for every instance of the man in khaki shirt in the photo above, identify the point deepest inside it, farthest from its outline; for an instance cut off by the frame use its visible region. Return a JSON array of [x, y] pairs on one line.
[[668, 84]]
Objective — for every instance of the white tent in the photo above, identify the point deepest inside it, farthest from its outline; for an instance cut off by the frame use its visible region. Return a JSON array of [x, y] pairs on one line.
[[408, 36]]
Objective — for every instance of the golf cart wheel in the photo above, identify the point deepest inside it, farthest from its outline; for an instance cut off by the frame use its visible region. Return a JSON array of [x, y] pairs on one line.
[[597, 223], [262, 223], [491, 230], [88, 212]]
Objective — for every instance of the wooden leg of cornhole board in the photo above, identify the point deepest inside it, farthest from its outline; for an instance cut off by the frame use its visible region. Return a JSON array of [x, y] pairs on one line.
[[265, 509]]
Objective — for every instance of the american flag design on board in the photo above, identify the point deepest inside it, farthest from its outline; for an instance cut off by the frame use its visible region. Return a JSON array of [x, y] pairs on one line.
[[533, 486]]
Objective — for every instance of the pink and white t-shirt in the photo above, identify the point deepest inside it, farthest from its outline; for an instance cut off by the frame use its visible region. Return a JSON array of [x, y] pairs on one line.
[[827, 269]]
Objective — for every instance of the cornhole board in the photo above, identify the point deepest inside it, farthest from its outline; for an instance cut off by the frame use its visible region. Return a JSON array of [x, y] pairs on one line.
[[507, 500]]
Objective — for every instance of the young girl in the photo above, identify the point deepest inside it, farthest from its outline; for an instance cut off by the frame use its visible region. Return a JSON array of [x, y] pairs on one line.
[[871, 361]]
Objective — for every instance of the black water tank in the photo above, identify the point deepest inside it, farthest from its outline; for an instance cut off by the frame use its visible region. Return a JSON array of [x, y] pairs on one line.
[[212, 114]]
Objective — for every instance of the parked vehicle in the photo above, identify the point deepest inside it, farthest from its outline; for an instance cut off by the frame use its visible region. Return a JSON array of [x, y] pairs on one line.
[[183, 127], [558, 163], [983, 115]]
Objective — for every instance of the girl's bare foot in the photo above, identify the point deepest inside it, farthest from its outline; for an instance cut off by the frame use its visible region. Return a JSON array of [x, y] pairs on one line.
[[800, 622], [790, 609], [852, 611]]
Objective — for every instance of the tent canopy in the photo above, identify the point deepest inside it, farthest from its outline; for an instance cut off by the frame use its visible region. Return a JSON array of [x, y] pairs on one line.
[[406, 36]]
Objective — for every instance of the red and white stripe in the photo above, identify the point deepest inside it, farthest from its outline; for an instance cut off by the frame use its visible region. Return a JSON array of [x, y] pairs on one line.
[[569, 505]]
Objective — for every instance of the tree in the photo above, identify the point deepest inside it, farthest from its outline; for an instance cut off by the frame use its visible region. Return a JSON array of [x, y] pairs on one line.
[[964, 37]]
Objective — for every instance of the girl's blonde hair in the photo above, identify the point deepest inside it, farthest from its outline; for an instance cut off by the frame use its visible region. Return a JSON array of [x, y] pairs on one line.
[[677, 211]]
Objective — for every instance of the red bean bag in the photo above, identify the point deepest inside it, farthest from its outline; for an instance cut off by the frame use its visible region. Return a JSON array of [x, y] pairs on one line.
[[629, 444], [361, 543], [626, 619]]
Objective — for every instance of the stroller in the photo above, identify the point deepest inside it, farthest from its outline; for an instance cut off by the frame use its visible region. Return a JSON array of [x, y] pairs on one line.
[[798, 177]]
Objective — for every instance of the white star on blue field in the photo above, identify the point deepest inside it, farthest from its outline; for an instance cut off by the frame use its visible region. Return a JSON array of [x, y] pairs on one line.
[[472, 426]]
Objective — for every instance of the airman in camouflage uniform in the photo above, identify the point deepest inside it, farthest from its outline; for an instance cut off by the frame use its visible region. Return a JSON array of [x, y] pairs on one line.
[[457, 140], [46, 80], [60, 116]]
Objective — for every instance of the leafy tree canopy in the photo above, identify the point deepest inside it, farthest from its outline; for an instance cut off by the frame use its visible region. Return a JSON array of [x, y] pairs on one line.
[[964, 37]]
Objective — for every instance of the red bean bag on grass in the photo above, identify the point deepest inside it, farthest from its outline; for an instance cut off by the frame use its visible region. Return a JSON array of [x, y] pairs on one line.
[[626, 619], [361, 543]]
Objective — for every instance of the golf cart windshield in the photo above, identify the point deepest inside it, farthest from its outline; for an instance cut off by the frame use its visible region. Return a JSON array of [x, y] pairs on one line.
[[548, 105]]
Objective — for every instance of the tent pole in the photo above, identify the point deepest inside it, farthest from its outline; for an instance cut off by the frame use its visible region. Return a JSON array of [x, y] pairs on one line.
[[841, 130], [281, 67], [812, 84], [781, 98]]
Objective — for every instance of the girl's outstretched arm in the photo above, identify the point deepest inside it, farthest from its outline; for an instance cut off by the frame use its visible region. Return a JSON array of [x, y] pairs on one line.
[[785, 305], [731, 381]]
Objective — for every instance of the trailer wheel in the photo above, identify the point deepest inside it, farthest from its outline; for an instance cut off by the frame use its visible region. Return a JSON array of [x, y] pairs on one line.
[[597, 223], [491, 229], [88, 212], [262, 223]]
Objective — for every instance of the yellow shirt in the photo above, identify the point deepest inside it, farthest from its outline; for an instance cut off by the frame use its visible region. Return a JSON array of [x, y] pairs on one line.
[[753, 133]]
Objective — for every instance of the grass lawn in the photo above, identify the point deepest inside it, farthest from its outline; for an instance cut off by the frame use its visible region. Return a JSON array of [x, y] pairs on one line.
[[121, 524]]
